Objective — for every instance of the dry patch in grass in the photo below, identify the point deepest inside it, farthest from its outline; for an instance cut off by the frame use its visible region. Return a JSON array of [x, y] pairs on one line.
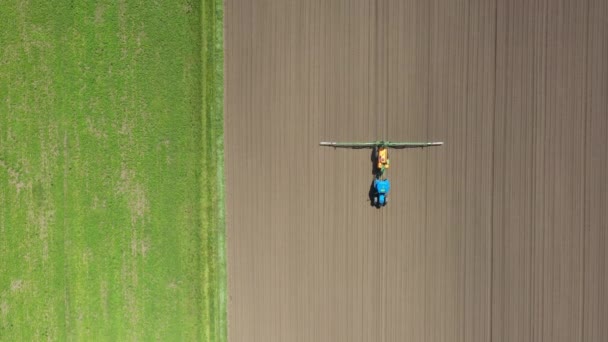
[[99, 12], [4, 309], [137, 200], [17, 285]]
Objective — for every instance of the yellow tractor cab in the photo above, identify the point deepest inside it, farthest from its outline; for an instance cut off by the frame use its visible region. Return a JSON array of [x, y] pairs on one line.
[[383, 161]]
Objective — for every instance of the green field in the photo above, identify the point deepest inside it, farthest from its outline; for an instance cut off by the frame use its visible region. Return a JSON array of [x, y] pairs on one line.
[[111, 171]]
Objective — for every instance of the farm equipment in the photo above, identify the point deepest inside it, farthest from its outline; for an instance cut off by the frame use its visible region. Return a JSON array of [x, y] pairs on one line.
[[381, 160], [381, 186], [381, 189]]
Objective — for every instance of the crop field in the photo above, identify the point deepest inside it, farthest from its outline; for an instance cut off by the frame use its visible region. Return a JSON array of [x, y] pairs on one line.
[[499, 235], [111, 171]]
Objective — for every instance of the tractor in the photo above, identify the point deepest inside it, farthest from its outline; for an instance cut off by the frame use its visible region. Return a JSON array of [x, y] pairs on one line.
[[380, 192], [381, 185]]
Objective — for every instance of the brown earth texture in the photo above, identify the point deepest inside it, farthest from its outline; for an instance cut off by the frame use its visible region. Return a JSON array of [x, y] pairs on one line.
[[499, 235]]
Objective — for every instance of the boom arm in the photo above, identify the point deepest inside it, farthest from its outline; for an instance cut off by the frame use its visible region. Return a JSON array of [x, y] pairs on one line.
[[349, 144], [413, 144], [380, 143]]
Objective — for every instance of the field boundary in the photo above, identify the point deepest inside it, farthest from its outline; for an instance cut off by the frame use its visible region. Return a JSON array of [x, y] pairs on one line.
[[212, 172]]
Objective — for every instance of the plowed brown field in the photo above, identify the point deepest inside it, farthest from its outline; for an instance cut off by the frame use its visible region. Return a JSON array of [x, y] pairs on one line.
[[500, 235]]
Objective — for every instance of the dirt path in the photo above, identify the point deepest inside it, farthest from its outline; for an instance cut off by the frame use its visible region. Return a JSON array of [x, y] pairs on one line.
[[500, 234]]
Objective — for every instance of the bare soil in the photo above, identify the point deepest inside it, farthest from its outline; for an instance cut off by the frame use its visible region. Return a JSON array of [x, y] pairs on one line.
[[499, 235]]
